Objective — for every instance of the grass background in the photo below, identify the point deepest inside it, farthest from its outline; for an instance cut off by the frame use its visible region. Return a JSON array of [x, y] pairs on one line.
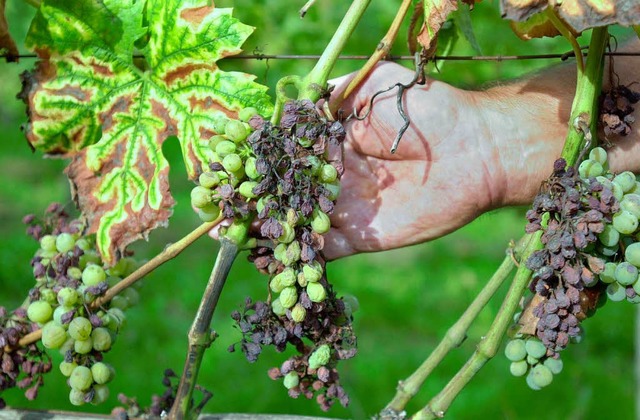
[[408, 297]]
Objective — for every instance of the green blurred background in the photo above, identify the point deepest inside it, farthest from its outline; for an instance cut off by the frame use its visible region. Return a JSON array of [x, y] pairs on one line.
[[408, 297]]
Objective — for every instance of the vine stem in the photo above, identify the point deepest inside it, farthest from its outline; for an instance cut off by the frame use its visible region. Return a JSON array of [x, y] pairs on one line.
[[408, 388], [568, 35], [200, 335], [167, 254], [382, 50], [313, 84]]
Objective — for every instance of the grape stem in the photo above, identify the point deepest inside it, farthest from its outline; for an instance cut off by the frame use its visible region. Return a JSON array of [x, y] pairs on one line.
[[200, 335], [169, 253], [408, 388], [382, 50]]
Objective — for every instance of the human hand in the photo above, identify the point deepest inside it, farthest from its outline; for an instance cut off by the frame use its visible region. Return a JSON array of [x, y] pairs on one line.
[[443, 175]]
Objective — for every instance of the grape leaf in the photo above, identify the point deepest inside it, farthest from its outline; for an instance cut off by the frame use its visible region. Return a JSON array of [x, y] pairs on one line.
[[579, 14], [96, 99], [7, 44], [436, 13]]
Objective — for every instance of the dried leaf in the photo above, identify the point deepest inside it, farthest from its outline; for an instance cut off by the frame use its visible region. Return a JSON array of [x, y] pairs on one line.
[[7, 44], [88, 99], [435, 14]]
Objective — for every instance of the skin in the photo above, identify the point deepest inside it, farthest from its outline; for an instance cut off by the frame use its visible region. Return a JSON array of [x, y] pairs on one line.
[[465, 153]]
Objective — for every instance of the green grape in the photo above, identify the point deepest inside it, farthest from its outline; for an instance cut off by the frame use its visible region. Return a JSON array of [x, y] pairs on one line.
[[609, 236], [250, 168], [615, 292], [232, 162], [80, 328], [81, 378], [132, 295], [48, 243], [116, 319], [530, 383], [83, 346], [554, 365], [306, 141], [247, 113], [101, 339], [607, 251], [292, 254], [65, 242], [100, 394], [334, 190], [625, 222], [120, 302], [277, 308], [66, 368], [515, 350], [67, 346], [287, 277], [626, 273], [328, 173], [312, 272], [237, 177], [225, 148], [632, 254], [626, 180], [74, 273], [291, 380], [535, 348], [208, 213], [631, 203], [606, 182], [302, 281], [599, 155], [237, 232], [276, 285], [93, 274], [288, 233], [519, 368], [320, 357], [608, 275], [68, 296], [84, 244], [48, 296], [209, 179], [532, 361], [635, 189], [316, 292], [200, 196], [39, 311], [53, 335], [315, 164], [219, 124], [320, 222], [635, 300], [236, 131], [288, 297], [77, 397], [298, 313], [279, 252], [101, 373], [246, 189], [590, 169], [541, 376]]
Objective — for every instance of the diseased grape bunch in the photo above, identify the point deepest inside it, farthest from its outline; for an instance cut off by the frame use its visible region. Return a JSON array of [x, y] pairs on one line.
[[285, 177], [589, 218], [69, 278]]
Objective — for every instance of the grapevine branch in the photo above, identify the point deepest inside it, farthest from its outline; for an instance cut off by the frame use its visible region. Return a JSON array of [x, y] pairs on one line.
[[169, 253], [566, 33]]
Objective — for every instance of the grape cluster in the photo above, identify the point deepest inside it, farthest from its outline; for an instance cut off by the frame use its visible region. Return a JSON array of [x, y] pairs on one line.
[[529, 357], [69, 277], [616, 110], [286, 177]]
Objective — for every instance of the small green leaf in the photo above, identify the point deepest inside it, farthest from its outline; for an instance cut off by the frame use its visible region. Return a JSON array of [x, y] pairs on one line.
[[462, 20], [91, 100]]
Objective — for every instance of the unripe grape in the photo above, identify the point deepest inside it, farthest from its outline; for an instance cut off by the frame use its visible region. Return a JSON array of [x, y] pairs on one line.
[[116, 319], [232, 162], [77, 397], [200, 196], [535, 348], [237, 177], [48, 243], [208, 213], [302, 280], [315, 164], [320, 222], [632, 254], [225, 148], [245, 114], [65, 242], [599, 155], [132, 295], [316, 292], [288, 233], [101, 373], [530, 383], [53, 335], [277, 308], [291, 380], [288, 297], [515, 350], [279, 252], [120, 302], [80, 328], [237, 232], [48, 296], [298, 313], [67, 346], [236, 131], [606, 182], [609, 236], [100, 394], [66, 368], [607, 251], [246, 189], [306, 141], [312, 272], [333, 189], [93, 274], [287, 277], [625, 222], [74, 273], [220, 123], [68, 296], [626, 273], [250, 168], [519, 368], [101, 339], [554, 365], [615, 292], [209, 179], [84, 244], [320, 357], [83, 346], [635, 300], [81, 378], [631, 203], [626, 180], [532, 361], [616, 189], [292, 217], [39, 311], [292, 254], [328, 173], [590, 169], [541, 376]]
